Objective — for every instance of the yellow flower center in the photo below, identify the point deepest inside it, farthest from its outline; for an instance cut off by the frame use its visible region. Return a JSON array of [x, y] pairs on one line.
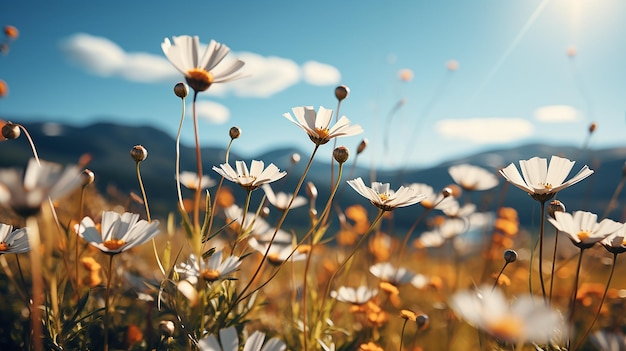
[[507, 328], [583, 234], [383, 197], [114, 244], [199, 79], [546, 185], [322, 133], [427, 204], [210, 275], [4, 246]]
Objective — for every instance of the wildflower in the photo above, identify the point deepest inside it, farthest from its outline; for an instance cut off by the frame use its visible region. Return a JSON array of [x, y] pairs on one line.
[[582, 228], [93, 279], [190, 180], [278, 251], [133, 335], [281, 200], [615, 243], [229, 341], [253, 223], [201, 70], [118, 232], [472, 178], [388, 273], [432, 200], [11, 32], [317, 125], [13, 241], [40, 182], [455, 210], [250, 180], [4, 88], [211, 270], [408, 315], [608, 340], [523, 321], [382, 197], [542, 180], [358, 296], [429, 239]]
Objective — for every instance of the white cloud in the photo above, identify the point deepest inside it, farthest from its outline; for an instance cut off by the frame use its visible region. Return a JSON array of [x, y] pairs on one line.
[[263, 76], [317, 73], [105, 58], [557, 114], [212, 112], [485, 130]]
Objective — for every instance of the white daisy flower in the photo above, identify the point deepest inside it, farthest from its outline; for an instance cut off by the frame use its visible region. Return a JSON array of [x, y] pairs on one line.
[[40, 182], [190, 180], [385, 271], [473, 178], [358, 296], [458, 211], [317, 125], [252, 179], [278, 252], [253, 223], [211, 270], [432, 200], [543, 181], [13, 241], [281, 200], [201, 70], [615, 243], [230, 342], [582, 228], [429, 239], [525, 320], [382, 197], [118, 232]]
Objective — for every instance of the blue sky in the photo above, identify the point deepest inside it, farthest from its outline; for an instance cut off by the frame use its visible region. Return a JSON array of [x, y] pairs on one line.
[[527, 71]]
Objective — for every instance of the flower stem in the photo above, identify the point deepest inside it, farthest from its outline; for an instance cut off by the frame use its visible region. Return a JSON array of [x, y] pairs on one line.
[[556, 242], [37, 282], [196, 203], [595, 318], [541, 235], [143, 191], [180, 127], [106, 304], [575, 291]]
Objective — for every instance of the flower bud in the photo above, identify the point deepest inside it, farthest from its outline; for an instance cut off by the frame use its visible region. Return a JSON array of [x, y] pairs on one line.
[[181, 90], [167, 328], [87, 177], [455, 190], [234, 132], [446, 192], [11, 131], [362, 146], [510, 256], [341, 92], [555, 206], [422, 321], [11, 32], [341, 154], [138, 153], [592, 127]]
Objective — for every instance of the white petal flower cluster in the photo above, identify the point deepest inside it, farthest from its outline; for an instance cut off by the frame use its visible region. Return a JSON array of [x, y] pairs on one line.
[[381, 196]]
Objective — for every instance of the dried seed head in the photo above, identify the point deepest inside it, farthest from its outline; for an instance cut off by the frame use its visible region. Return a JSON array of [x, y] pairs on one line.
[[446, 192], [341, 154], [87, 177], [295, 158], [234, 132], [167, 328], [362, 146], [510, 256], [11, 131], [555, 206], [138, 153], [181, 90], [341, 92], [456, 190]]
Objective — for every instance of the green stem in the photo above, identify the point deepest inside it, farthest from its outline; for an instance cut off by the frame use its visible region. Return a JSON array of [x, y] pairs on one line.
[[556, 242], [143, 191], [196, 203], [180, 127], [541, 235]]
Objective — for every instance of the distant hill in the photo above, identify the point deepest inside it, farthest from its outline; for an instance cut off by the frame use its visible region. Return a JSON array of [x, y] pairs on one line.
[[109, 146]]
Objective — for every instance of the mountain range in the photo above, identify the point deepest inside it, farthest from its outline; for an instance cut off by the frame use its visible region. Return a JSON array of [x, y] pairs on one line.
[[108, 146]]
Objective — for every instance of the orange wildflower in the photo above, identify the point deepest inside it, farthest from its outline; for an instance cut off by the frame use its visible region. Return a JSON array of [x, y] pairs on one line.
[[11, 32]]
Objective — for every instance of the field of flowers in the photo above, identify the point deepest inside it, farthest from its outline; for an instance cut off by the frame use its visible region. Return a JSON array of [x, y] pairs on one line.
[[79, 272]]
